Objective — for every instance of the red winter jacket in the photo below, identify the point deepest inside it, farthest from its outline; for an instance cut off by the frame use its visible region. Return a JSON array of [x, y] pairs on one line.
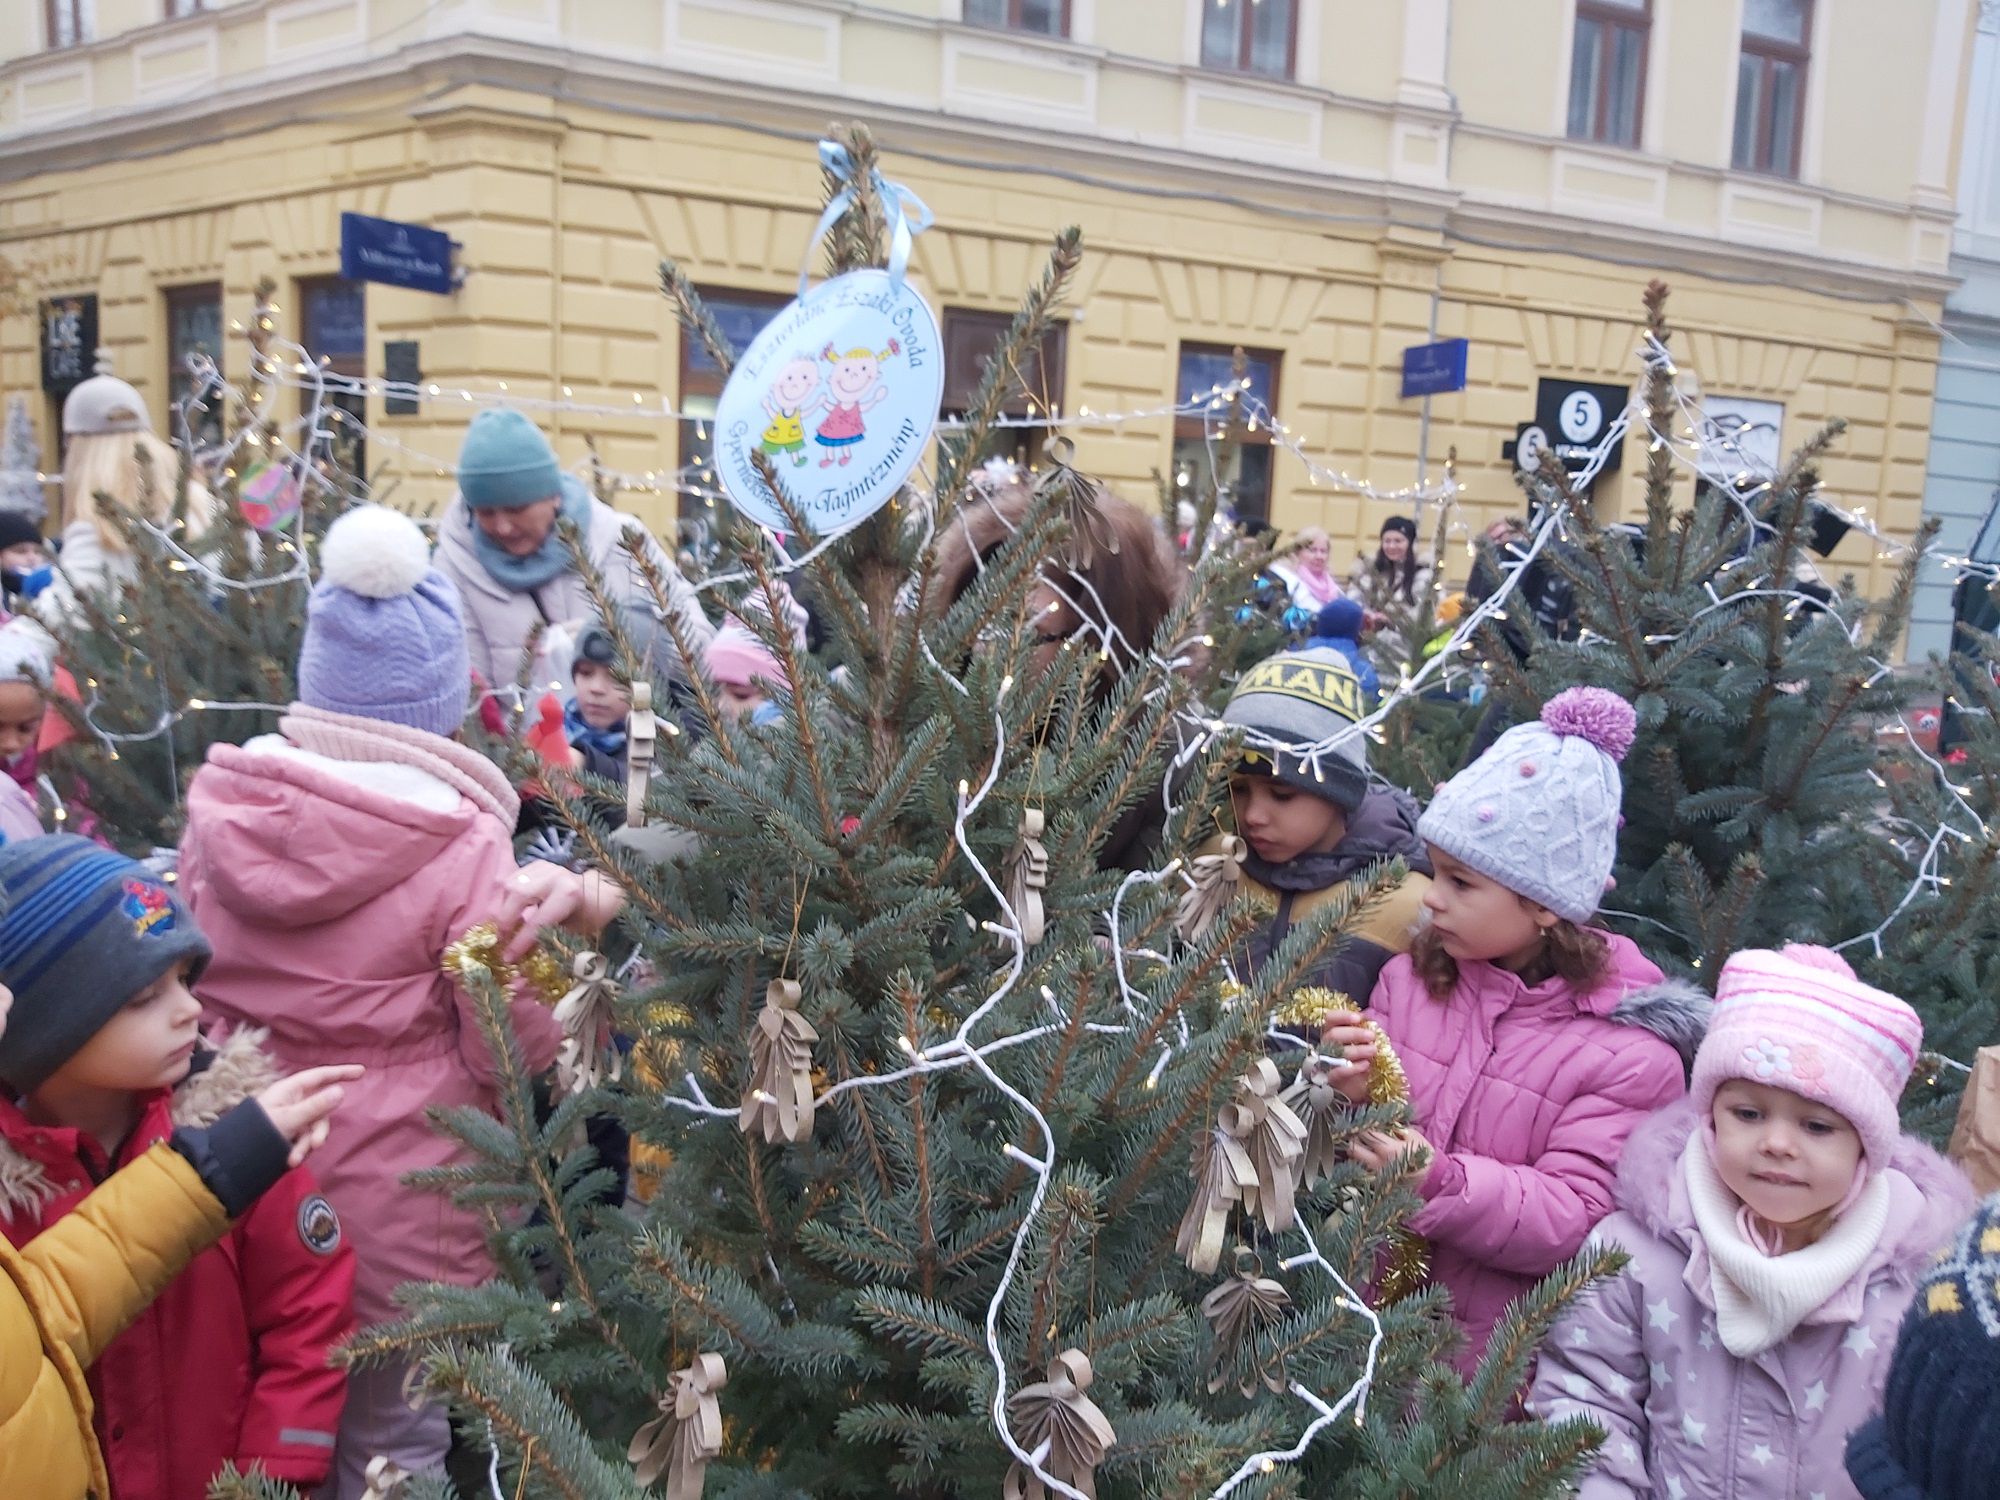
[[231, 1361]]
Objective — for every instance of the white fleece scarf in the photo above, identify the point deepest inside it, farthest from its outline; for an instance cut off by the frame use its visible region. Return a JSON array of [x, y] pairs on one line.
[[1759, 1298]]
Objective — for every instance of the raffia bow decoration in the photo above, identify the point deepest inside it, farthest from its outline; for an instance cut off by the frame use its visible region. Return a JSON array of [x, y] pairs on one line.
[[1275, 1139], [478, 951], [1062, 1427], [687, 1434], [1213, 881], [386, 1479], [1223, 1174], [780, 1100], [585, 1015], [641, 733], [1028, 877], [1241, 1311], [1090, 530], [1322, 1108]]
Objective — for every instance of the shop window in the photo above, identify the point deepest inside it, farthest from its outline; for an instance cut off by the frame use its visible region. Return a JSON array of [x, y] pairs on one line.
[[1607, 76], [1043, 17], [1033, 390], [1250, 36], [741, 316], [1771, 85], [194, 327], [333, 327], [1207, 375], [69, 22]]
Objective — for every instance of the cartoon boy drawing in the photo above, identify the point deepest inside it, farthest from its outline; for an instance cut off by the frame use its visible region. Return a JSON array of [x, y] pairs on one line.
[[786, 403], [854, 386]]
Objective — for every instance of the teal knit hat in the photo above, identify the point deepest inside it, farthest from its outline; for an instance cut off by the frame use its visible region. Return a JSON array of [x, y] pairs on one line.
[[506, 463]]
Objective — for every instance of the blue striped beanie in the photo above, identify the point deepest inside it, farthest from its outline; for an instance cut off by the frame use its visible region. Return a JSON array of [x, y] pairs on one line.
[[84, 931]]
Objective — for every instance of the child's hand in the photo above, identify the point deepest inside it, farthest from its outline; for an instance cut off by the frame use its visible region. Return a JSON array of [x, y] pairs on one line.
[[299, 1105], [1378, 1150], [6, 1004], [1344, 1034], [536, 896]]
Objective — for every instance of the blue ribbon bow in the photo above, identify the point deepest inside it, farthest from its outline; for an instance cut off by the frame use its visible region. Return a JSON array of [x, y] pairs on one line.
[[907, 214]]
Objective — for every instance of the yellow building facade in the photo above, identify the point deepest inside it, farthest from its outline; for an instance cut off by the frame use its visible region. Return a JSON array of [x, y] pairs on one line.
[[1324, 182]]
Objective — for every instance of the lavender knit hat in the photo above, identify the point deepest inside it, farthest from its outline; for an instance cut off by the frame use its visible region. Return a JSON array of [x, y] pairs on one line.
[[384, 637], [1538, 812]]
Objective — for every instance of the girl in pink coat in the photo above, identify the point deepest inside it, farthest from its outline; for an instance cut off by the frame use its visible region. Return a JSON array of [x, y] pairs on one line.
[[1534, 1044], [331, 864], [1778, 1223]]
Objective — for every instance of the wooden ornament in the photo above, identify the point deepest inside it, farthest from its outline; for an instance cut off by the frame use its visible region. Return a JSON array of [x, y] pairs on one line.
[[586, 1014], [1223, 1174], [385, 1478], [1057, 1422], [641, 735], [687, 1434], [1241, 1311], [1275, 1140], [1027, 875], [1322, 1109], [780, 1099], [1214, 880]]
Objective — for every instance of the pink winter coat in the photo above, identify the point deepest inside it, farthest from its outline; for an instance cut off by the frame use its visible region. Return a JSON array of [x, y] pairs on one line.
[[1686, 1419], [1527, 1094], [330, 889]]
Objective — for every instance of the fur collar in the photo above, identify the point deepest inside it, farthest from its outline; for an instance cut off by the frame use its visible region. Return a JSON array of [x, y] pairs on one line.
[[221, 1078], [1673, 1010]]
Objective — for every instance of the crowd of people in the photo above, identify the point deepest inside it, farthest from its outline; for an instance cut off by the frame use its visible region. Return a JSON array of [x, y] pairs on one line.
[[1807, 1285]]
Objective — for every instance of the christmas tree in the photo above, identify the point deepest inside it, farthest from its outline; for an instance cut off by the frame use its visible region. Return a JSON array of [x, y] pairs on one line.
[[1776, 793], [21, 464], [936, 1093]]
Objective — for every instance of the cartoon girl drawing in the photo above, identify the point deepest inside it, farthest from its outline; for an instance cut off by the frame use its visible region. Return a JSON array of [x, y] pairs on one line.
[[786, 404], [854, 386]]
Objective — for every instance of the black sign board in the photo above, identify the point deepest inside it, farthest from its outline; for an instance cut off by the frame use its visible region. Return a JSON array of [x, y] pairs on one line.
[[69, 342], [402, 364], [1571, 418]]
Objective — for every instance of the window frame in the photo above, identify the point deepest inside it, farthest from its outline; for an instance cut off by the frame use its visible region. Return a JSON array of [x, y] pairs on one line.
[[703, 383], [1012, 22], [172, 299], [1768, 52], [1193, 426], [354, 365], [1614, 16], [180, 10], [1051, 371], [1241, 67], [78, 12]]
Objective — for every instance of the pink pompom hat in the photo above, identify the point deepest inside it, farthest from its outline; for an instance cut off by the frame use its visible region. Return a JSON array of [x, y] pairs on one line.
[[1538, 812], [1799, 1019]]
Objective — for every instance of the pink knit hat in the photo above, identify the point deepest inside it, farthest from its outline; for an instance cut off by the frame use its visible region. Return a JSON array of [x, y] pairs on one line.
[[737, 657], [1800, 1020]]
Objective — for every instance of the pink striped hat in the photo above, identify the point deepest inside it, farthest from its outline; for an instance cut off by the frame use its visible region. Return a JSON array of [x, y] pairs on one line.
[[1799, 1020]]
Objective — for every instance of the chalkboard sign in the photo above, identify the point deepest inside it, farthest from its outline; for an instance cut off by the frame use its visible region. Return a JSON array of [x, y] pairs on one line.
[[402, 364], [69, 342]]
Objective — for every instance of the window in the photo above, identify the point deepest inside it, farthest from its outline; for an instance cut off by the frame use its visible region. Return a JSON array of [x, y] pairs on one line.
[[1033, 390], [1249, 36], [1043, 17], [741, 316], [1607, 76], [1206, 373], [68, 22], [333, 327], [179, 8], [194, 326], [1771, 85]]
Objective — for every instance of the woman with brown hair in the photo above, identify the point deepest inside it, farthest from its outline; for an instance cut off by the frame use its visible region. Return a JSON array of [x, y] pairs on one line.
[[1116, 601]]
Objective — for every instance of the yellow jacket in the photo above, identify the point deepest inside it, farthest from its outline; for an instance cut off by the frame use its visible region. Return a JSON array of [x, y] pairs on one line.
[[69, 1293]]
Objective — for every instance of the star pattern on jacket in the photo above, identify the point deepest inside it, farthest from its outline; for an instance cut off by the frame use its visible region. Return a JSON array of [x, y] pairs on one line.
[[1761, 1455], [1816, 1396], [1661, 1315], [1695, 1432], [1860, 1340], [1661, 1374]]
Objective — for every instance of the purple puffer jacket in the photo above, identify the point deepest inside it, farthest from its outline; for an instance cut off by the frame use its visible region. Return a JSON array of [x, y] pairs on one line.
[[1639, 1355], [1527, 1093]]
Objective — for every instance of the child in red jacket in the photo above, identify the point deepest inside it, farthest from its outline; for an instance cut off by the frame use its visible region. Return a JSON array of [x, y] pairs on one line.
[[103, 1060]]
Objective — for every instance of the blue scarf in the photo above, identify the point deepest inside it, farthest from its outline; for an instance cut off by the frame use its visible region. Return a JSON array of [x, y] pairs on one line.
[[585, 735], [520, 575]]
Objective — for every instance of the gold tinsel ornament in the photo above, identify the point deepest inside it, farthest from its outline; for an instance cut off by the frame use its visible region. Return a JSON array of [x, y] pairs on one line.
[[1056, 1419], [478, 951], [1241, 1311], [779, 1101], [687, 1434]]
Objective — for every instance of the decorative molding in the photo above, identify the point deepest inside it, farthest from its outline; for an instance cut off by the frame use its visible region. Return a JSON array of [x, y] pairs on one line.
[[1757, 210], [1212, 88], [1571, 190], [748, 62], [49, 77], [278, 16], [207, 39], [964, 94]]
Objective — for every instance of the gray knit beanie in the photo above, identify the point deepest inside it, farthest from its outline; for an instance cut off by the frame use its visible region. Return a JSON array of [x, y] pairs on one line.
[[1538, 812], [1299, 699], [85, 930]]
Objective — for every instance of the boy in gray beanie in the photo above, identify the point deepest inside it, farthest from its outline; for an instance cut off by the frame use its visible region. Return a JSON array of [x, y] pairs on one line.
[[1308, 821]]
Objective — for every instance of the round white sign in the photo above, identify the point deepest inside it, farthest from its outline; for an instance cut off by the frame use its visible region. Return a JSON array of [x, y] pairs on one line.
[[840, 391], [1529, 448], [1581, 415]]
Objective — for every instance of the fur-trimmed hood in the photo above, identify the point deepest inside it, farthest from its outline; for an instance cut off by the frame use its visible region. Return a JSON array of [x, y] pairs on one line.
[[1673, 1010], [220, 1078], [1931, 1202]]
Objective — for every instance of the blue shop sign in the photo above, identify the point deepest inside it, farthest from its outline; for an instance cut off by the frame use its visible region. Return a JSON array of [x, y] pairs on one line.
[[1433, 369], [396, 254]]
